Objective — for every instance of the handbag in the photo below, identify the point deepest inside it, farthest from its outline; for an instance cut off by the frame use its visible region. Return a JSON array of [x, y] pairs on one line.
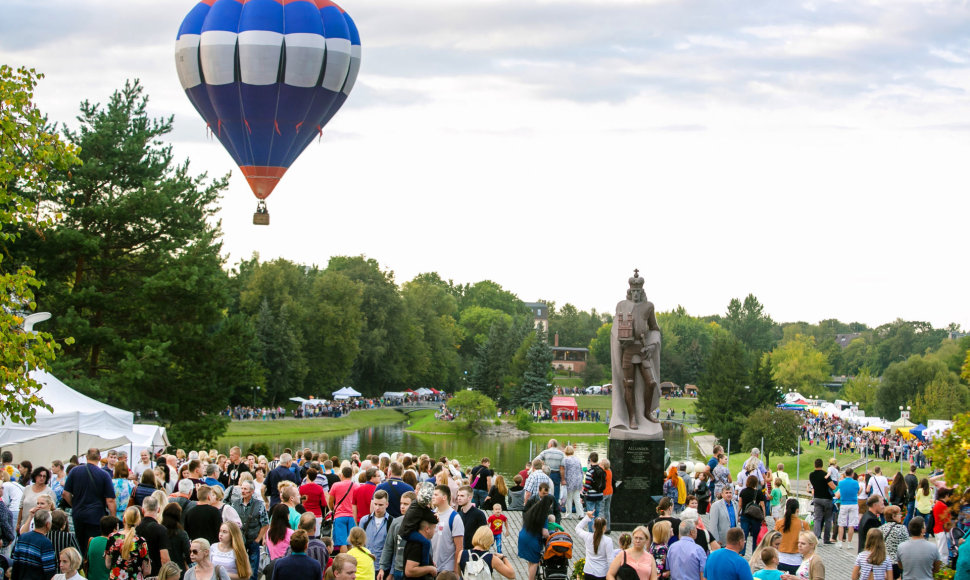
[[626, 571], [753, 510]]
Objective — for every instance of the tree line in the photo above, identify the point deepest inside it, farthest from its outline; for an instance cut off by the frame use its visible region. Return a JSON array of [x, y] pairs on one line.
[[103, 227]]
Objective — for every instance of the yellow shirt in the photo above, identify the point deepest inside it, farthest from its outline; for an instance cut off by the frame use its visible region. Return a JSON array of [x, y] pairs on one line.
[[924, 503], [365, 563]]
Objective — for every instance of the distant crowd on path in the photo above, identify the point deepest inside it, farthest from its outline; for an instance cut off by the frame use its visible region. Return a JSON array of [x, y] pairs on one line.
[[204, 515], [322, 408], [845, 437]]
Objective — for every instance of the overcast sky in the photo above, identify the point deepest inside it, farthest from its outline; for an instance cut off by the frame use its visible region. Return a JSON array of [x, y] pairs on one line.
[[813, 153]]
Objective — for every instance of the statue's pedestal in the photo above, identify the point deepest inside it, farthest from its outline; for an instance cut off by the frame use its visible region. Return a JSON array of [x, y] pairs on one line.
[[638, 477]]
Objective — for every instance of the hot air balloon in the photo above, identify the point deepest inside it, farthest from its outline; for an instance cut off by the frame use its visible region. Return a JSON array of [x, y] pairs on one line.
[[267, 76]]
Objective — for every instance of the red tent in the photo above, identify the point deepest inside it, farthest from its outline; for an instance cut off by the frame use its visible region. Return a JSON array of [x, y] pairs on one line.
[[565, 407], [435, 391]]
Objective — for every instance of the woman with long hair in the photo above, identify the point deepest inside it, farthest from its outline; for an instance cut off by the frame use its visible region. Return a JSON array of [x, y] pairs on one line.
[[790, 527], [497, 494], [771, 540], [812, 567], [873, 562], [277, 539], [203, 569], [145, 488], [127, 553], [675, 489], [751, 494], [924, 501], [178, 540], [230, 552], [530, 537], [636, 556], [599, 547], [898, 492]]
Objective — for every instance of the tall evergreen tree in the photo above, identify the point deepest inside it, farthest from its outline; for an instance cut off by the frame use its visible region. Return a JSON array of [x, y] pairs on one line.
[[722, 399], [280, 354], [133, 272], [535, 389]]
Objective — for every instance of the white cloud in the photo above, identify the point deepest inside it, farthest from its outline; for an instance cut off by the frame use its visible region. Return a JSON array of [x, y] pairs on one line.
[[811, 154]]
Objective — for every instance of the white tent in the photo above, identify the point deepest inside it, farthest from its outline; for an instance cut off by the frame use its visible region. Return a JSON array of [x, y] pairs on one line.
[[423, 392], [76, 423], [150, 437], [345, 393]]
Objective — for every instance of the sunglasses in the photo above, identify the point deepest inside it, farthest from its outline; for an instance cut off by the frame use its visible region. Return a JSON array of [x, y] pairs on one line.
[[195, 551]]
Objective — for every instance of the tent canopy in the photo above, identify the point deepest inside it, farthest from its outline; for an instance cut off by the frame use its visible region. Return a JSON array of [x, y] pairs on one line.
[[76, 423], [899, 423], [423, 392], [565, 406], [394, 395], [345, 393]]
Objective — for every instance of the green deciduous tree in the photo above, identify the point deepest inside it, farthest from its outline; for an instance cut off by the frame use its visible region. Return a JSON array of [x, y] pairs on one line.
[[29, 153], [472, 406], [798, 364], [773, 430], [950, 452], [574, 327], [433, 309], [943, 398], [687, 342], [903, 381], [862, 389], [722, 403]]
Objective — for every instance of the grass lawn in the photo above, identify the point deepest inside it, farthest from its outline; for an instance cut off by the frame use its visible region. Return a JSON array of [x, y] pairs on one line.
[[807, 461], [350, 422], [568, 428], [424, 422], [564, 381], [604, 403]]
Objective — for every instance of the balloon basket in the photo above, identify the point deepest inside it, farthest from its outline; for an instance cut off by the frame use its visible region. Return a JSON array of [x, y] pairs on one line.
[[261, 217]]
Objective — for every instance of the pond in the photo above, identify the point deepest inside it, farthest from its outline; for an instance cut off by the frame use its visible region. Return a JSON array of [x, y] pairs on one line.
[[508, 455]]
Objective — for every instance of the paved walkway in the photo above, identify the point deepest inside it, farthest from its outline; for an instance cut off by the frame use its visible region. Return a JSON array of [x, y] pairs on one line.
[[838, 562]]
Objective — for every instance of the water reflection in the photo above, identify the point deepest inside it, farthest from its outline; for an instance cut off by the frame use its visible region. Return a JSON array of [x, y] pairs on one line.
[[508, 455]]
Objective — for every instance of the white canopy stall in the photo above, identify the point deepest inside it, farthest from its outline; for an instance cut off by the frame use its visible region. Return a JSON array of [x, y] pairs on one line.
[[150, 437], [76, 423], [345, 393]]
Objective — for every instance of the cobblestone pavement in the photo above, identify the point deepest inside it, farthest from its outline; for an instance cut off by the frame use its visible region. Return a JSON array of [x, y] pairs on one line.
[[838, 562]]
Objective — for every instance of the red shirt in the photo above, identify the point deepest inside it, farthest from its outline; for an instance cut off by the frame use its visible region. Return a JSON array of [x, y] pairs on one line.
[[941, 515], [362, 496], [316, 498], [497, 523]]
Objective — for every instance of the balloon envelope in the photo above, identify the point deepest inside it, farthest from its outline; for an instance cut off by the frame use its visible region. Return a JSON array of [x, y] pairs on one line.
[[267, 76]]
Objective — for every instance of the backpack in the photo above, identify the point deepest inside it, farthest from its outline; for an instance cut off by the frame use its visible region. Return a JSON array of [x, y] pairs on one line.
[[598, 481], [476, 568]]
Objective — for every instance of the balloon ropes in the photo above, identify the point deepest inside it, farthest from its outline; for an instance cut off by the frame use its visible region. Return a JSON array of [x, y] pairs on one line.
[[267, 76]]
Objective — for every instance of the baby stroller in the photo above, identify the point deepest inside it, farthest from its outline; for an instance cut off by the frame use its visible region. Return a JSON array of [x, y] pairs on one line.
[[555, 558]]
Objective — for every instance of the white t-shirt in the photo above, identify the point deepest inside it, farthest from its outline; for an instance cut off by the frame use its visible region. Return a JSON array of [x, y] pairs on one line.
[[878, 485], [443, 543], [225, 559], [141, 468]]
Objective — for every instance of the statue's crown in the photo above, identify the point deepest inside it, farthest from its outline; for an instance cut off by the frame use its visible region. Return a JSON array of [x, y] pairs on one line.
[[636, 282]]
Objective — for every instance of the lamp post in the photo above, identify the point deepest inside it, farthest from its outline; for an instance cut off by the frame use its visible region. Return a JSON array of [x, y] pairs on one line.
[[255, 389], [904, 412]]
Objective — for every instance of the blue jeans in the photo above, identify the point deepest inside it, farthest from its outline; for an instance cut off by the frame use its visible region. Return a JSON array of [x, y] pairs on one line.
[[252, 550], [607, 502], [478, 497], [750, 528], [498, 543], [594, 506]]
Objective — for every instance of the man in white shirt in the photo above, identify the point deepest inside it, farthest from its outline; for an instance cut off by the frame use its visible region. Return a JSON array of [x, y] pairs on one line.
[[143, 465], [446, 545], [878, 483]]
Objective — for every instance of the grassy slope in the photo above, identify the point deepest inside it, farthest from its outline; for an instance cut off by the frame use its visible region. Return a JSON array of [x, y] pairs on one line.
[[354, 420], [603, 403]]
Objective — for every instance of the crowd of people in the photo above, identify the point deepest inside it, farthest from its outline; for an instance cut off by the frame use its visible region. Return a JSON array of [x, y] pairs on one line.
[[204, 515], [845, 437], [322, 408]]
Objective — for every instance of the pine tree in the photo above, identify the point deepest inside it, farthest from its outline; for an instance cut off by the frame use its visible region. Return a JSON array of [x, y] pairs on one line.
[[722, 399], [535, 389]]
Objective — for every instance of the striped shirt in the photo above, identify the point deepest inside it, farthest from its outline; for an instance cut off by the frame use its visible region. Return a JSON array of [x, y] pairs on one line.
[[34, 552]]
